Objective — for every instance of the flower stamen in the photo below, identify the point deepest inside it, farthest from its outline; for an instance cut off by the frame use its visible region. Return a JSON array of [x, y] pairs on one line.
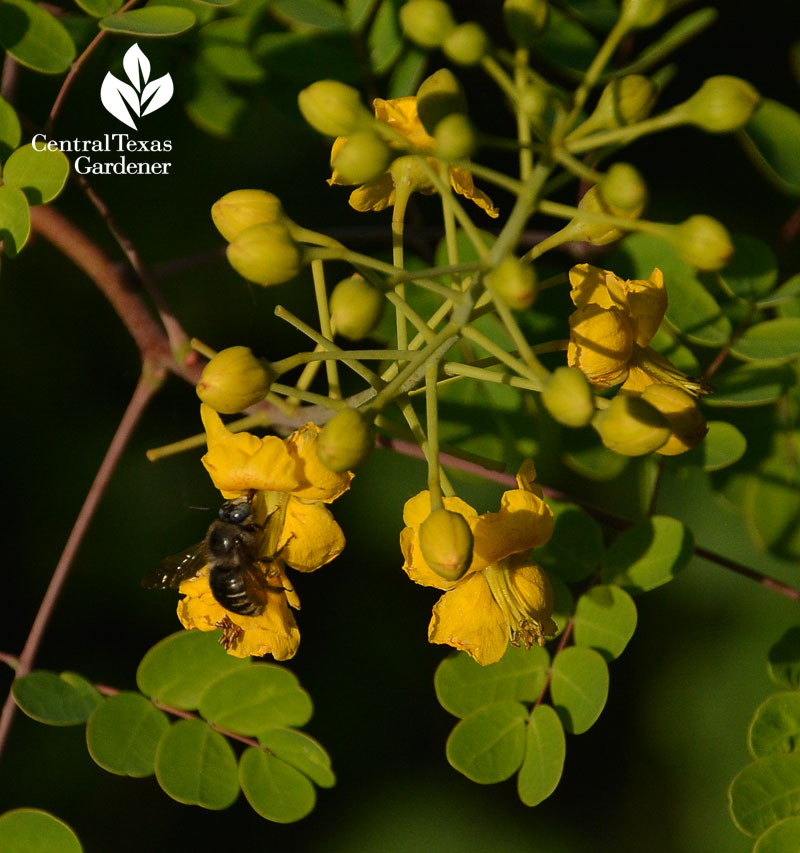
[[523, 627]]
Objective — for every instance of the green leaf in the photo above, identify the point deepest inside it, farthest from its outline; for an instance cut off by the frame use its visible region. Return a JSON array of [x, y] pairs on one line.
[[576, 547], [753, 271], [36, 831], [302, 752], [545, 751], [605, 620], [648, 554], [34, 37], [692, 310], [41, 175], [233, 62], [123, 734], [310, 14], [771, 501], [723, 446], [275, 790], [567, 44], [784, 295], [214, 106], [765, 792], [54, 700], [579, 687], [772, 140], [751, 385], [358, 12], [15, 220], [772, 340], [196, 766], [601, 14], [408, 72], [781, 837], [776, 726], [385, 39], [463, 686], [10, 130], [249, 701], [784, 659], [99, 8], [489, 745], [286, 55], [177, 670], [155, 21]]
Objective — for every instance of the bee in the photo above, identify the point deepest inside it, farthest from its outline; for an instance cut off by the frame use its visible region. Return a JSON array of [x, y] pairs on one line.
[[230, 550]]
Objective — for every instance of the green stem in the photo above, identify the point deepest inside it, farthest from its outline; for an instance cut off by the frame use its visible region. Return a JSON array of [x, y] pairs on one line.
[[432, 423], [493, 69], [624, 135], [321, 294], [500, 354], [577, 167], [523, 125], [454, 368], [402, 195]]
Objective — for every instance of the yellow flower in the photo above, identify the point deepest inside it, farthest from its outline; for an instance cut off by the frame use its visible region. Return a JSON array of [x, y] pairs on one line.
[[504, 596], [289, 488], [401, 115], [611, 329]]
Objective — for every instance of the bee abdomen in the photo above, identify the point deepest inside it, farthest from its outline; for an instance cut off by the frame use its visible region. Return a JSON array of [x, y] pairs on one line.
[[230, 590]]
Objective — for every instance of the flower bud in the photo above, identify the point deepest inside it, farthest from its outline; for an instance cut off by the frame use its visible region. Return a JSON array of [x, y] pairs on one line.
[[568, 397], [637, 14], [702, 242], [356, 308], [623, 189], [623, 101], [721, 104], [439, 95], [455, 138], [240, 209], [234, 380], [598, 233], [408, 172], [427, 22], [265, 254], [534, 101], [630, 426], [525, 20], [362, 157], [683, 416], [467, 44], [514, 282], [345, 441], [333, 108], [445, 540]]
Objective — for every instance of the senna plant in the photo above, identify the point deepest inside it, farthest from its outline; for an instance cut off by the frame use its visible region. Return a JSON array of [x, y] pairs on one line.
[[590, 395]]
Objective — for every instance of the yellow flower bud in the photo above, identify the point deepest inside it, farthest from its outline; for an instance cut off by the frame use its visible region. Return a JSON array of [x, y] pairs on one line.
[[514, 282], [702, 242], [333, 108], [356, 308], [622, 188], [637, 14], [265, 254], [623, 101], [720, 105], [345, 441], [409, 174], [525, 20], [467, 44], [234, 380], [455, 138], [683, 416], [568, 397], [445, 540], [240, 209], [426, 22], [631, 427], [362, 158], [598, 233], [438, 96]]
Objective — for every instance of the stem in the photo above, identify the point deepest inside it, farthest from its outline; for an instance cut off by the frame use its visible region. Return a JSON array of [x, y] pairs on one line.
[[401, 197], [432, 423], [321, 294], [523, 125], [623, 135]]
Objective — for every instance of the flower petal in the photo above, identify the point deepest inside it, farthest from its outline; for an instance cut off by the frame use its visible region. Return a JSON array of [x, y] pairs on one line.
[[462, 183], [600, 343], [467, 617], [589, 286], [315, 482], [647, 304], [310, 537], [335, 177], [401, 114], [533, 587], [377, 195]]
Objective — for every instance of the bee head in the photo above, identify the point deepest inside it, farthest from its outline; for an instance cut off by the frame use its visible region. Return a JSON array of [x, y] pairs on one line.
[[235, 511]]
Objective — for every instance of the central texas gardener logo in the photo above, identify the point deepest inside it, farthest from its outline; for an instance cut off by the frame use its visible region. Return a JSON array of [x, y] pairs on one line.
[[139, 97]]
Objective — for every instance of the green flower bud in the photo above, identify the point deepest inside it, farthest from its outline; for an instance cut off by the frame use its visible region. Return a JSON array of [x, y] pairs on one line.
[[534, 101], [514, 282], [445, 540], [408, 172], [234, 380], [240, 209], [622, 188], [333, 108], [427, 22], [455, 138], [631, 427], [346, 441], [265, 254], [683, 415], [467, 44], [637, 14], [525, 20], [598, 233], [356, 308], [624, 101], [568, 397], [702, 242], [720, 105], [439, 95], [362, 158]]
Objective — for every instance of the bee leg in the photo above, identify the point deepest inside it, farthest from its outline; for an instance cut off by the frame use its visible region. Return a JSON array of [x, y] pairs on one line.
[[231, 633]]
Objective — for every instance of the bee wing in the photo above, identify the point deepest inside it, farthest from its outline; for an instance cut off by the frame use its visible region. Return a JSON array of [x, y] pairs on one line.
[[179, 567], [255, 583]]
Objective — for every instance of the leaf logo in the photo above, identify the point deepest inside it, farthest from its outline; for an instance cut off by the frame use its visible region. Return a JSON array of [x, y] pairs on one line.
[[138, 97]]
